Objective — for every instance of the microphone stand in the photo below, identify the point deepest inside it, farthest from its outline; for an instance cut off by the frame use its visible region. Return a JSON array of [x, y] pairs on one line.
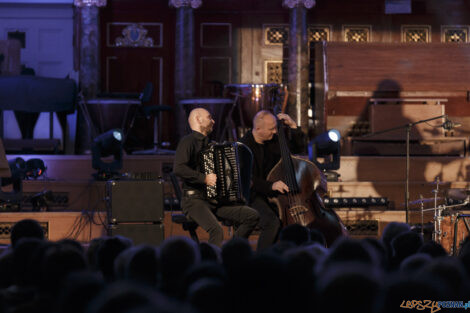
[[407, 127]]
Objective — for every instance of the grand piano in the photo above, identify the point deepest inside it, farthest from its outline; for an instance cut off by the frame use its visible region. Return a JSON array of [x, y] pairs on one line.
[[28, 96]]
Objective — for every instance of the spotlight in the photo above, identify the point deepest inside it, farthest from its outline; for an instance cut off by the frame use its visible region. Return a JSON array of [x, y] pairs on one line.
[[109, 143], [34, 168], [326, 148]]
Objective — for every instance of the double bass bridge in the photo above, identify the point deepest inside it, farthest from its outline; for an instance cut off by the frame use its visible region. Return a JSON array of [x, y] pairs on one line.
[[298, 213]]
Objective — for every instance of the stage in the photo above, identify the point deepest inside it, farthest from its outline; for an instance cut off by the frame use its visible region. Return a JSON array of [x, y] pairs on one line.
[[77, 208]]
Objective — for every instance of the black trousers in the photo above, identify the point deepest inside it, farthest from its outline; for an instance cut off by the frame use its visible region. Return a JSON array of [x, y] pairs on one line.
[[269, 223], [205, 215]]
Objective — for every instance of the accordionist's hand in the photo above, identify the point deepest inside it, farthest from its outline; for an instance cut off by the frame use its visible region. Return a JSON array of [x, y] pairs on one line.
[[280, 186], [211, 179]]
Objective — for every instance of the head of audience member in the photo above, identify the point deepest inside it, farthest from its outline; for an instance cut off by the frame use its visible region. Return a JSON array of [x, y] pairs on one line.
[[264, 126], [79, 290], [208, 295], [400, 288], [109, 248], [346, 249], [92, 252], [24, 267], [295, 233], [317, 236], [279, 248], [201, 120], [7, 276], [379, 248], [235, 253], [210, 252], [433, 249], [72, 243], [301, 262], [177, 255], [200, 271], [413, 263], [57, 263], [124, 297], [450, 274], [392, 230], [262, 286], [404, 245], [139, 264], [26, 228], [358, 285]]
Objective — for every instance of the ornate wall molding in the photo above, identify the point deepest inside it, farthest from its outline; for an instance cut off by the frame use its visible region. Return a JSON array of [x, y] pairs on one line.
[[185, 3], [134, 35], [295, 3], [89, 3]]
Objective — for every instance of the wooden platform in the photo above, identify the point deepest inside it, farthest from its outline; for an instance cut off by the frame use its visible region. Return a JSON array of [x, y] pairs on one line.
[[70, 180]]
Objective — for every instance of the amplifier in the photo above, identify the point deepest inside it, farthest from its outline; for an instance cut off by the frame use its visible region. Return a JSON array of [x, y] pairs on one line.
[[134, 201], [143, 233]]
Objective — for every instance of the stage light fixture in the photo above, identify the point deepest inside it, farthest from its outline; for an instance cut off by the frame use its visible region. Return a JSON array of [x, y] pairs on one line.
[[324, 150], [107, 144]]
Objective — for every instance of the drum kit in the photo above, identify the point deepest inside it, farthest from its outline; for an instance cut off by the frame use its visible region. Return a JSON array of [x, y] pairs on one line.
[[450, 226], [234, 112]]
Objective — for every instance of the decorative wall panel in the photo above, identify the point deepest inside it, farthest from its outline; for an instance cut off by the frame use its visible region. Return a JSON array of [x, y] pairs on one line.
[[454, 33], [318, 33], [416, 33], [142, 35], [357, 33], [276, 34], [216, 35], [273, 72]]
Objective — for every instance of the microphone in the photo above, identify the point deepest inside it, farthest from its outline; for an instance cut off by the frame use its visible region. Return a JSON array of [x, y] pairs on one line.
[[449, 125]]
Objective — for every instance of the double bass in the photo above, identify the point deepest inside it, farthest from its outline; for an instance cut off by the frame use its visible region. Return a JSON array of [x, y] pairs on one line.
[[303, 203]]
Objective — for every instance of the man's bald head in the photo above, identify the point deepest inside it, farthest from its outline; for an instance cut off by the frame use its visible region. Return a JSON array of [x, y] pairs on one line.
[[264, 126], [262, 117], [200, 120]]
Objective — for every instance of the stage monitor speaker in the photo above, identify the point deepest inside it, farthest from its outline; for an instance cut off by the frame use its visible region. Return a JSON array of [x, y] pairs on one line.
[[152, 234], [134, 201]]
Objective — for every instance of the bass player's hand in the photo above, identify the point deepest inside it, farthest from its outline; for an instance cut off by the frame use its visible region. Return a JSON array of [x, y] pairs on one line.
[[280, 186]]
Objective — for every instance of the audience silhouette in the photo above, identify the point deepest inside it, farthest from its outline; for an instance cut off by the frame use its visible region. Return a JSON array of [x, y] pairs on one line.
[[297, 274]]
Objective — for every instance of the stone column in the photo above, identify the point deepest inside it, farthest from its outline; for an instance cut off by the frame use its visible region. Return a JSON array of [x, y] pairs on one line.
[[89, 70], [184, 58], [89, 45], [298, 62]]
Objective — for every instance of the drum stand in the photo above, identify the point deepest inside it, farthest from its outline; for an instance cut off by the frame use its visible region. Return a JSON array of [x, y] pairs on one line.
[[229, 128]]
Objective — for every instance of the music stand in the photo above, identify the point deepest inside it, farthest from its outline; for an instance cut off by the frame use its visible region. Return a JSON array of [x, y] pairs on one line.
[[407, 127]]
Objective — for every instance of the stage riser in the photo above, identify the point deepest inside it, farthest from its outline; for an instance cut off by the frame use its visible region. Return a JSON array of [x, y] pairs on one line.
[[90, 195], [352, 168], [60, 225]]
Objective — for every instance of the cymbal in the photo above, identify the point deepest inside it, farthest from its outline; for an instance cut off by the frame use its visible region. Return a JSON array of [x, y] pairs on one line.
[[458, 193], [424, 200]]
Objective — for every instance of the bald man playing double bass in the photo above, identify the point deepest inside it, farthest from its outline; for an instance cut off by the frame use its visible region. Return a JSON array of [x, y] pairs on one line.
[[264, 144], [193, 203]]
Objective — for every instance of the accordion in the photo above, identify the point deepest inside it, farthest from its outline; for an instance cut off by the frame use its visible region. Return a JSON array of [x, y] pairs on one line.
[[231, 162]]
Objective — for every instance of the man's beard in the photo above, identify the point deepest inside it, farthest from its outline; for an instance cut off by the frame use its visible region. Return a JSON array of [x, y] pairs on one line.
[[207, 129]]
